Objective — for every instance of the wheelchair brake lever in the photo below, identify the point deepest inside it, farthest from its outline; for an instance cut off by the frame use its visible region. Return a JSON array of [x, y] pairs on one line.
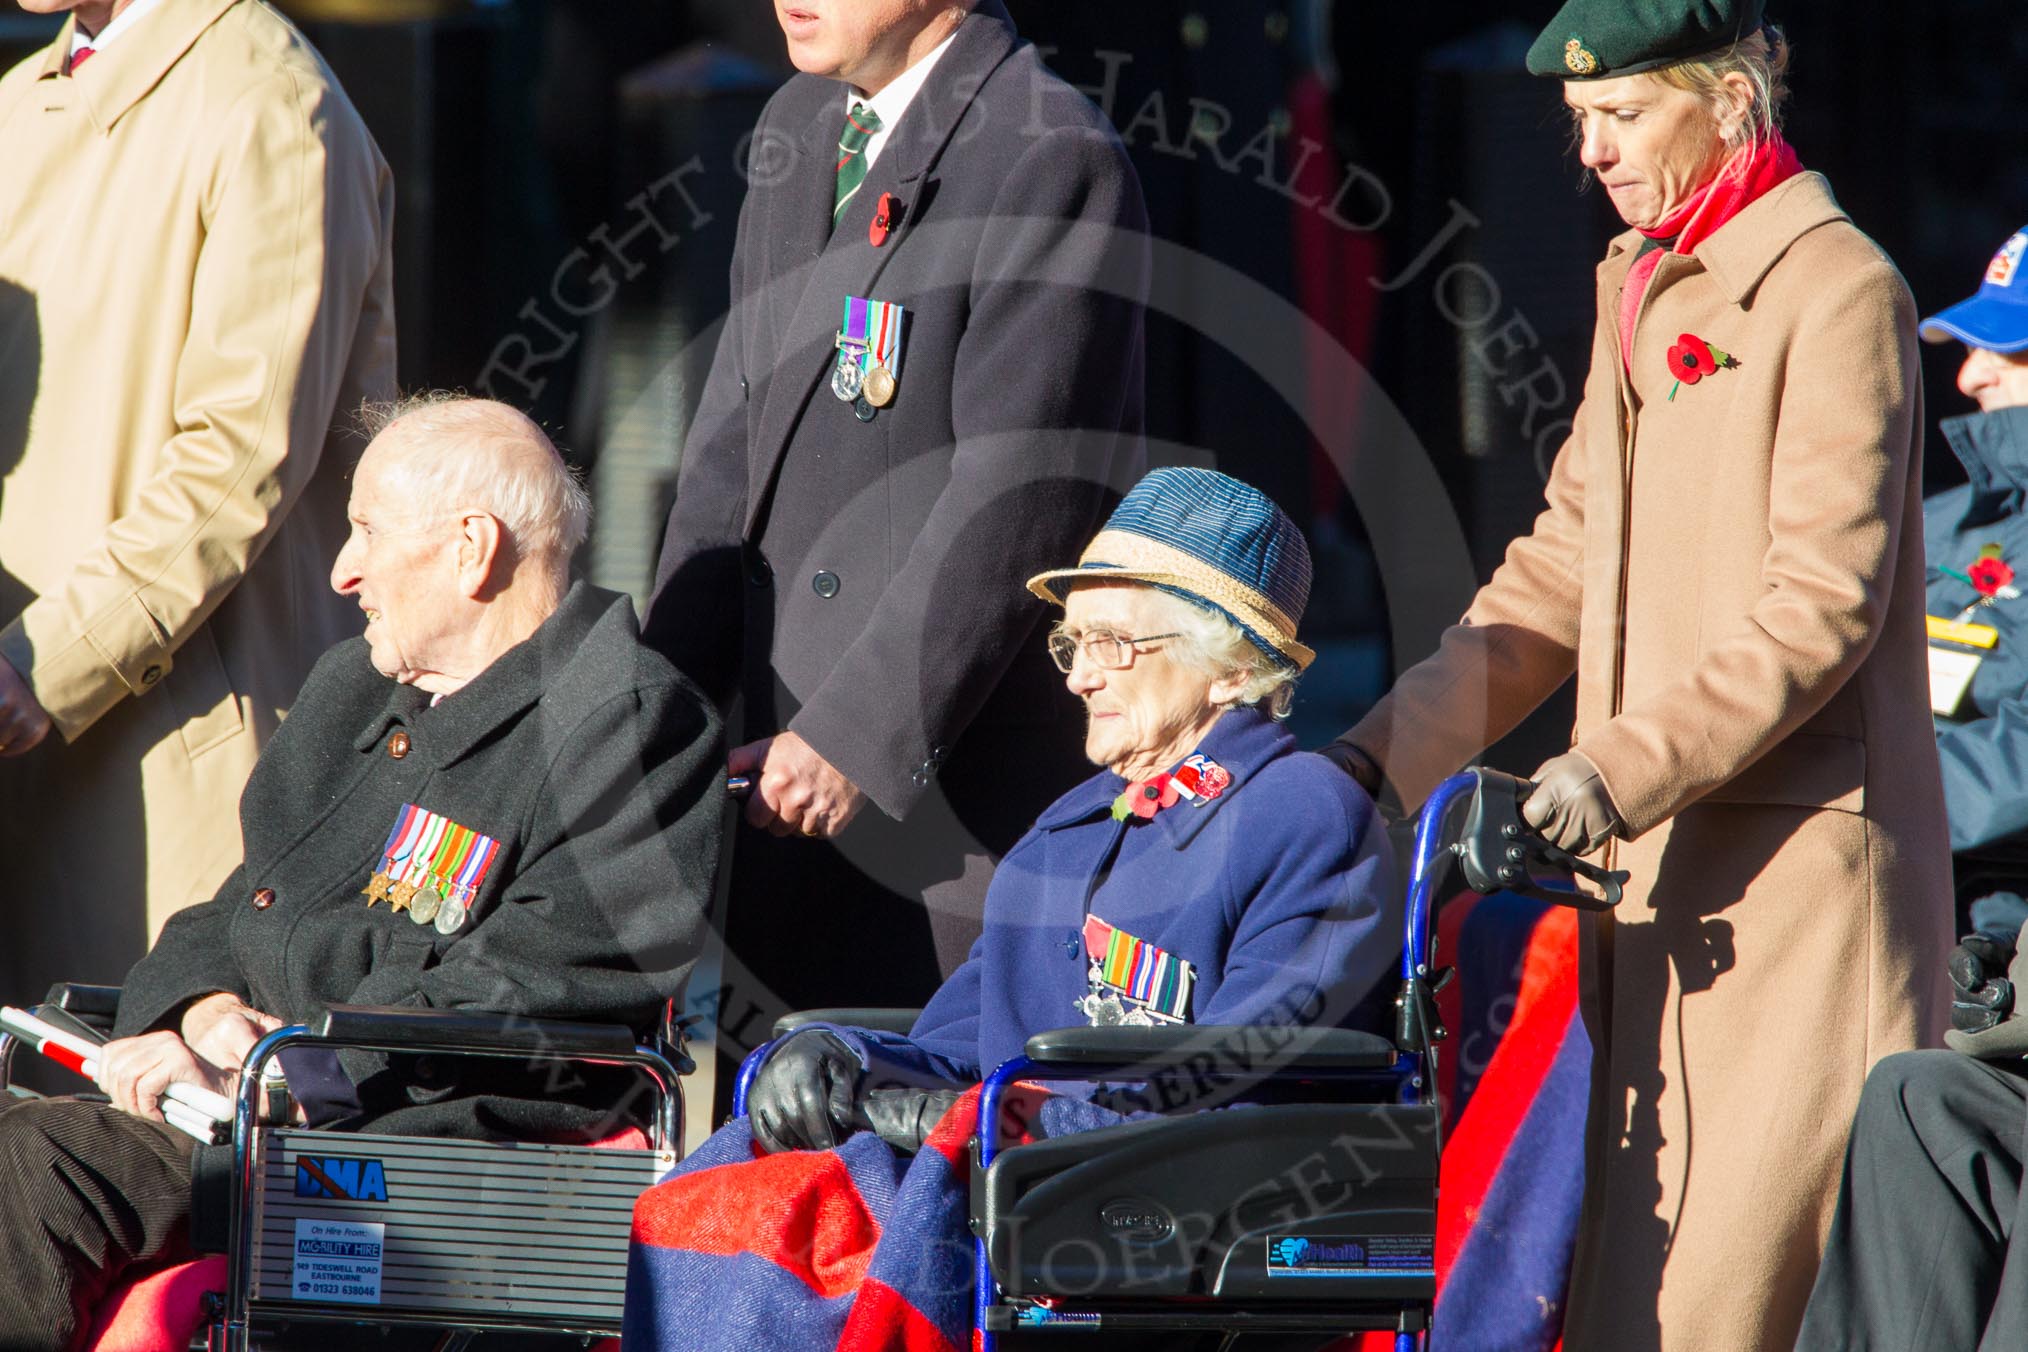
[[1612, 882]]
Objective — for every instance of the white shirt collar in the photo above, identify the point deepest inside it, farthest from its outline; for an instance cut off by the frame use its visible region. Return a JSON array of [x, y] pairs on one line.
[[892, 101], [124, 20]]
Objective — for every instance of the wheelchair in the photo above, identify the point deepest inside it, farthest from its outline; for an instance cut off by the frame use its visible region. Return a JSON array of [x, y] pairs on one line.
[[330, 1231], [1310, 1218]]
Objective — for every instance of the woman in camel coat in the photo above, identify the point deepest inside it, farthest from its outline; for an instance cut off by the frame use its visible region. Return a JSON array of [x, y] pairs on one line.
[[1731, 564]]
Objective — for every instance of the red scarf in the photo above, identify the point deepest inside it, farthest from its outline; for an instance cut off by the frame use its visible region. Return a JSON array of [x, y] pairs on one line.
[[1744, 179]]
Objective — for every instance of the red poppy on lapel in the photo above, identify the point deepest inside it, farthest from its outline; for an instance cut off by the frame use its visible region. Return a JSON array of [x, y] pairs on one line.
[[885, 213], [1146, 798], [1692, 359], [1990, 574]]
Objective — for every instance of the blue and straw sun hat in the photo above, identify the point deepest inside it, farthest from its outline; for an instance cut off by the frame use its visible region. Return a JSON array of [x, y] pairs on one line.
[[1212, 540]]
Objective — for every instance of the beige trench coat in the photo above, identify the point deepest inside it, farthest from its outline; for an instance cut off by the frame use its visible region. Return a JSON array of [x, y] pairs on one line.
[[1735, 577], [194, 276]]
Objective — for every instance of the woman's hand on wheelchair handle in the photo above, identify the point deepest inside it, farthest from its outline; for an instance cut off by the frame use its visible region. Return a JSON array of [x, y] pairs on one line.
[[805, 1096], [1569, 805]]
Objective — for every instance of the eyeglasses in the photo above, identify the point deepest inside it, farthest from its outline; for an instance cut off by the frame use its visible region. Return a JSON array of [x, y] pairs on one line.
[[1108, 652]]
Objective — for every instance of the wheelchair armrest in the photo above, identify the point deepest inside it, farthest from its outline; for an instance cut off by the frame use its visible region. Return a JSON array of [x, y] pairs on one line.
[[94, 1005], [883, 1020], [1240, 1049], [457, 1029]]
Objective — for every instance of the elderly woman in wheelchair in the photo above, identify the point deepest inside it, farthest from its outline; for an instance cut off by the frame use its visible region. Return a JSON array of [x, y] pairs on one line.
[[1213, 896], [1209, 873]]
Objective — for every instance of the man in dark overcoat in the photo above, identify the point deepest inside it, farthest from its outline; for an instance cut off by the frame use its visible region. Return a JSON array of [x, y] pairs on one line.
[[497, 799], [929, 386]]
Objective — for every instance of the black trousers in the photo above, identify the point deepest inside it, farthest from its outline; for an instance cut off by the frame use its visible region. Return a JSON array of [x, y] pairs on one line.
[[86, 1192], [1921, 1251]]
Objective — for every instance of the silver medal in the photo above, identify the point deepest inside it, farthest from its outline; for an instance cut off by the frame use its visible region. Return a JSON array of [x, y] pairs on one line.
[[451, 915], [847, 377]]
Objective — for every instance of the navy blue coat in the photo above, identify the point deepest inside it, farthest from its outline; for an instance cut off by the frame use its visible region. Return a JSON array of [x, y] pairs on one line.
[[1984, 749], [1280, 892]]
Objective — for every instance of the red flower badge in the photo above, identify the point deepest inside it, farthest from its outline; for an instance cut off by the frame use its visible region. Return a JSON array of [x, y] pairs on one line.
[[1692, 359], [1990, 574], [1202, 780], [1146, 798]]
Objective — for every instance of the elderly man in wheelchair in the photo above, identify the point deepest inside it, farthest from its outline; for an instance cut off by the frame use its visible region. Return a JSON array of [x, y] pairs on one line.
[[494, 801], [1209, 874]]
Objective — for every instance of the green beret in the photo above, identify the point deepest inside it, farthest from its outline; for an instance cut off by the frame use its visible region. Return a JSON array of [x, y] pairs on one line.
[[1604, 39]]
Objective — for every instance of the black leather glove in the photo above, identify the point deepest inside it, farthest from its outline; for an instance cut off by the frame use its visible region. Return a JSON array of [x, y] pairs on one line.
[[1981, 993], [904, 1118], [804, 1096]]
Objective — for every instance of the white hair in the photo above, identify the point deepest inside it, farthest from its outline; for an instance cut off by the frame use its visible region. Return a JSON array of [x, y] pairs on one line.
[[460, 452], [1215, 646]]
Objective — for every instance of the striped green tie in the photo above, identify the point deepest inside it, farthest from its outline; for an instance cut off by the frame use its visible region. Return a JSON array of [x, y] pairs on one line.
[[860, 125]]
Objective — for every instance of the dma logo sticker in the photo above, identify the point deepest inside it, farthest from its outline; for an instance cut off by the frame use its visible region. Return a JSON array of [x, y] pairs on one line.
[[341, 1178]]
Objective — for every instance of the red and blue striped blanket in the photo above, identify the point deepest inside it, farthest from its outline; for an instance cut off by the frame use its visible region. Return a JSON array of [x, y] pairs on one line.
[[1515, 1079], [858, 1249]]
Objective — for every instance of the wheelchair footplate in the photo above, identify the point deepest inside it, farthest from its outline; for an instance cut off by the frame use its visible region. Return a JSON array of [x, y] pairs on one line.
[[374, 1228], [1315, 1216]]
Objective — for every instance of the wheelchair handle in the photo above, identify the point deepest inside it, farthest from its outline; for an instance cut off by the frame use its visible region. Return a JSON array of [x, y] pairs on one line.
[[1473, 837]]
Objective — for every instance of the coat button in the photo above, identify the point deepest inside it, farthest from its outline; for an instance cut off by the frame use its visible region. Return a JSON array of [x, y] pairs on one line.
[[825, 584], [759, 572], [397, 744], [263, 898]]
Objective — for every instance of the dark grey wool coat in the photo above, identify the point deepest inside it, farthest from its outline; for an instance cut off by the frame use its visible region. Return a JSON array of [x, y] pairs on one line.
[[592, 762], [860, 582]]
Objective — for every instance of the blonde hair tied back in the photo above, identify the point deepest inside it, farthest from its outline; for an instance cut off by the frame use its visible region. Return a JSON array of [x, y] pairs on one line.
[[1763, 58]]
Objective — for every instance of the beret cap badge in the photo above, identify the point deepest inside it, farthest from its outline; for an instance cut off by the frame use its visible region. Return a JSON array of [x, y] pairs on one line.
[[1578, 58]]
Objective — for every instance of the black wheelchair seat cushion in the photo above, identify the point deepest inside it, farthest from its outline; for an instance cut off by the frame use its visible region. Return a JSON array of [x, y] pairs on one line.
[[1298, 1202]]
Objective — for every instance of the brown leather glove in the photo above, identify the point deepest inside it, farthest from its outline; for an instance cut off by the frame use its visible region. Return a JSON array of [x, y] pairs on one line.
[[1569, 804]]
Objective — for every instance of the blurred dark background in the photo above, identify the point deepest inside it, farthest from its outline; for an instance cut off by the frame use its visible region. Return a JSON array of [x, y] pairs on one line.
[[1389, 188]]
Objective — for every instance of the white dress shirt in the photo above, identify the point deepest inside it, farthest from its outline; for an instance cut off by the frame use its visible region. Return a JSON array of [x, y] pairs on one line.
[[889, 104], [122, 21]]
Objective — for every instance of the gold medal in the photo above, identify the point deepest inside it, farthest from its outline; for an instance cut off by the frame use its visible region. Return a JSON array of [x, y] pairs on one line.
[[879, 387], [376, 889], [400, 895]]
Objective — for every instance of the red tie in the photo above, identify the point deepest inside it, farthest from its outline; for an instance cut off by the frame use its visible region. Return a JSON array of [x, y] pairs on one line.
[[78, 58]]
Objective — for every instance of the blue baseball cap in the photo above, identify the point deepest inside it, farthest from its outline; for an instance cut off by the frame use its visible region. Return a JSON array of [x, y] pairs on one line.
[[1997, 317]]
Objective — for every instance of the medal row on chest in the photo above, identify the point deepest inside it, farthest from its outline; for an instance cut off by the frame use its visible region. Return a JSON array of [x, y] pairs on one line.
[[432, 868], [867, 373]]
